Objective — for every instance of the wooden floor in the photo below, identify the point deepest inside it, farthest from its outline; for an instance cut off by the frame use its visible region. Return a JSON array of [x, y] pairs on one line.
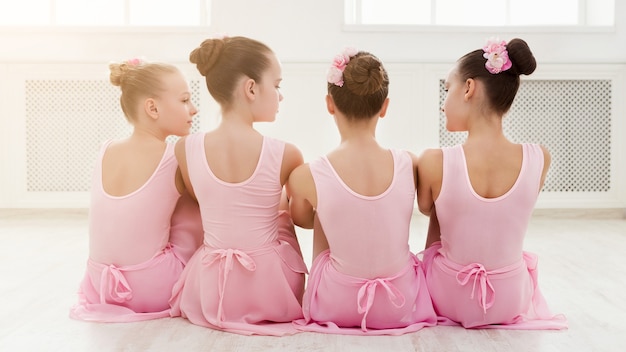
[[582, 273]]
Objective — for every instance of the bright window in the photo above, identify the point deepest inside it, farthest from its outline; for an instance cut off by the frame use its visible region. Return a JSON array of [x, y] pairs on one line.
[[25, 12], [167, 13], [481, 12], [104, 13], [85, 13]]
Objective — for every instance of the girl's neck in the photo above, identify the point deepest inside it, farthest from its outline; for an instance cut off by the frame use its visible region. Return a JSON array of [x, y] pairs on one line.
[[234, 123], [357, 132], [238, 118], [146, 135], [360, 139], [486, 131], [236, 127]]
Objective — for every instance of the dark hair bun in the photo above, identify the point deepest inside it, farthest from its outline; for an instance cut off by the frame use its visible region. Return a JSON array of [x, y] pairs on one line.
[[521, 57]]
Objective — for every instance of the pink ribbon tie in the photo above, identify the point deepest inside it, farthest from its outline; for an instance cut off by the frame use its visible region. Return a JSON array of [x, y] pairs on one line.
[[119, 290], [480, 275], [227, 258], [367, 292]]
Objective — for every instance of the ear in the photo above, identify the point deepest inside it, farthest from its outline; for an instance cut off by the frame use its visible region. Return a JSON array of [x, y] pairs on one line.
[[330, 104], [470, 88], [150, 106], [250, 88], [383, 110]]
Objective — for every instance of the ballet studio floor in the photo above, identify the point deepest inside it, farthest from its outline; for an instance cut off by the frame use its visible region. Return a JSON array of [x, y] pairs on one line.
[[582, 273]]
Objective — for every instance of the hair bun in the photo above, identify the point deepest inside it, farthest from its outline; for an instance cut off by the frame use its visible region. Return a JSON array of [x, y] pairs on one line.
[[522, 58], [206, 55], [364, 75], [119, 72]]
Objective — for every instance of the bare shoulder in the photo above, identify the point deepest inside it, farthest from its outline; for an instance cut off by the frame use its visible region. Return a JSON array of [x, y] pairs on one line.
[[292, 152], [301, 173], [430, 158], [117, 146], [429, 167], [179, 148], [414, 158]]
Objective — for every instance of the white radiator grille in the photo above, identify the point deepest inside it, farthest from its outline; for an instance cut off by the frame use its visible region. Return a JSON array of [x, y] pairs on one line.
[[572, 118], [66, 121]]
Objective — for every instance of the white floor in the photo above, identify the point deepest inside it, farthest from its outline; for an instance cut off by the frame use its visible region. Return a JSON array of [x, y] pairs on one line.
[[582, 273]]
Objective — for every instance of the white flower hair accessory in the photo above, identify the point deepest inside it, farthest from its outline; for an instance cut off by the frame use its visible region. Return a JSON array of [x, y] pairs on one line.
[[497, 56], [335, 72]]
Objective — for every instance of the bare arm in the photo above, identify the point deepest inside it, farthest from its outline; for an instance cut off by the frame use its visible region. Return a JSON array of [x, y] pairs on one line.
[[292, 158], [320, 243], [182, 174], [415, 161], [302, 196], [186, 232], [186, 225], [429, 176], [434, 233]]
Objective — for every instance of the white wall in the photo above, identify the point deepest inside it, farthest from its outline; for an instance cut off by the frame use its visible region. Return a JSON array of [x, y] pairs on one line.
[[305, 35]]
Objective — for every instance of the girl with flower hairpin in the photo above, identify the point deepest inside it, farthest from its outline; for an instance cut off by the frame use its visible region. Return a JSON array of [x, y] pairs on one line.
[[143, 226], [480, 196], [359, 199], [248, 275]]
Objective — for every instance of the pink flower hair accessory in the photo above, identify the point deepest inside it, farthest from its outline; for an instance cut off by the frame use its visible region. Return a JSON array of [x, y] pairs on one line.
[[335, 72], [134, 61], [497, 56]]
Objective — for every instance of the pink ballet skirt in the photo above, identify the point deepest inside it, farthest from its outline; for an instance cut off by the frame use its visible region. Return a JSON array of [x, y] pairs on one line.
[[392, 305], [128, 293], [246, 291], [473, 297]]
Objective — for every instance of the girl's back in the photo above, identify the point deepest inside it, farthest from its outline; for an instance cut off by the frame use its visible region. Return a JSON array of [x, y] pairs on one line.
[[486, 230], [222, 147], [127, 165], [493, 170], [124, 193], [366, 173], [249, 271], [365, 207], [239, 201]]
